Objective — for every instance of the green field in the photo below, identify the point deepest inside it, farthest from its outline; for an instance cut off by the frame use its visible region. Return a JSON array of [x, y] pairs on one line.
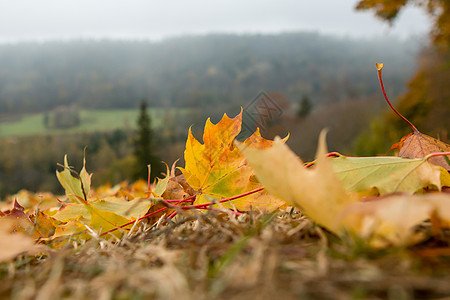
[[91, 121]]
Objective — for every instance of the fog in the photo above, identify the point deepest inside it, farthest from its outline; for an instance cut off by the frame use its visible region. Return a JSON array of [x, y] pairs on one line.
[[141, 19]]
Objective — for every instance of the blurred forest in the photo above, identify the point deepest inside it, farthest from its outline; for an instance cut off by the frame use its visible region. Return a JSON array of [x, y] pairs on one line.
[[314, 81]]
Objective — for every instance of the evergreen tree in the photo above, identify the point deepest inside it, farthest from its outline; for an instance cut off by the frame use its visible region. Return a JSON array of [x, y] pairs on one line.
[[305, 107], [143, 147]]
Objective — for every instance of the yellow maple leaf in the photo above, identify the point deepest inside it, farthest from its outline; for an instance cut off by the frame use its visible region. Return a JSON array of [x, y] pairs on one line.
[[217, 169]]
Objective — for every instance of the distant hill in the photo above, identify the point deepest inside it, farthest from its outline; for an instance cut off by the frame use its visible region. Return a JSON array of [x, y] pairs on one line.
[[195, 71]]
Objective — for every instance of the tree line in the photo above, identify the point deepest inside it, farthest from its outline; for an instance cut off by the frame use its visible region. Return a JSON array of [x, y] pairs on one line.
[[195, 71]]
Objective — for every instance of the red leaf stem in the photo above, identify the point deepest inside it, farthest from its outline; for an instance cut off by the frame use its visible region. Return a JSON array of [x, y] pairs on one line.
[[129, 223], [172, 215], [389, 102], [331, 154], [203, 205], [437, 154]]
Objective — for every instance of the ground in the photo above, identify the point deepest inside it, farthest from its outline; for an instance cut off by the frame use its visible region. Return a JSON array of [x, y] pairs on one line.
[[211, 256]]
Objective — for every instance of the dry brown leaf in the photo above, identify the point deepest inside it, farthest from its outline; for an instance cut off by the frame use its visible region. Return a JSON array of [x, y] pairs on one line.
[[419, 145]]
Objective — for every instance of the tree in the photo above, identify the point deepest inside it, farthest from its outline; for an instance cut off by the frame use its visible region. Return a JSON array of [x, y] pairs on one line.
[[144, 146], [305, 107], [439, 10], [427, 100]]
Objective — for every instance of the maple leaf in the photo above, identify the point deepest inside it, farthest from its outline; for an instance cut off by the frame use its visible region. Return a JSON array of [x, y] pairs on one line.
[[382, 175], [217, 169], [161, 185], [78, 218], [44, 225], [317, 191], [416, 144], [319, 194], [18, 218], [99, 215], [75, 188]]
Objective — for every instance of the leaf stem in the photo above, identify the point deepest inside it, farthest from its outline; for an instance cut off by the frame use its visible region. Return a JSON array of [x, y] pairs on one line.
[[129, 223], [380, 67], [331, 154], [437, 154], [148, 181], [203, 205]]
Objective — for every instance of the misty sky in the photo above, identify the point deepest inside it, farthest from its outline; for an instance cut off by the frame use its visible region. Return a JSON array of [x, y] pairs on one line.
[[72, 19]]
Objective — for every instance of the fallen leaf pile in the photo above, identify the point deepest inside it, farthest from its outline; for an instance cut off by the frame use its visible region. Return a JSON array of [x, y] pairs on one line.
[[381, 200], [215, 177]]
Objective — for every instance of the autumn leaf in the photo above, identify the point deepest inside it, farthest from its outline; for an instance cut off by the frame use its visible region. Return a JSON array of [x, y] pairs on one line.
[[19, 220], [43, 225], [393, 220], [416, 144], [79, 218], [75, 188], [383, 175], [161, 185], [217, 169], [100, 215], [71, 211], [73, 228], [319, 193], [128, 209]]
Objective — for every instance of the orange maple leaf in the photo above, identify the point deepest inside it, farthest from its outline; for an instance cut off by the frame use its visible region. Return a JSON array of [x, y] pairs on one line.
[[217, 169]]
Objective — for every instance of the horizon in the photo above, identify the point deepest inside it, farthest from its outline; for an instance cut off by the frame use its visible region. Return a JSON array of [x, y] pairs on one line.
[[415, 38], [48, 20]]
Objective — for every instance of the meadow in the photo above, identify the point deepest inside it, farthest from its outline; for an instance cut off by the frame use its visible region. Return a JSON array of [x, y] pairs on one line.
[[90, 121]]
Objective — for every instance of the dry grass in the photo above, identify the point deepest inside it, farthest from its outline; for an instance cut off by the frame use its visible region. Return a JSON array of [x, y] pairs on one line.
[[213, 256]]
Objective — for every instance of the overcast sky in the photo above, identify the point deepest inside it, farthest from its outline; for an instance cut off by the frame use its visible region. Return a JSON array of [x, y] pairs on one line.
[[72, 19]]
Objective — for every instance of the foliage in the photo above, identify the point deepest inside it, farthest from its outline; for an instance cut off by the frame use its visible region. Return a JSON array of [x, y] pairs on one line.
[[88, 74], [29, 162], [363, 203], [340, 187], [192, 71], [220, 173], [439, 10]]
